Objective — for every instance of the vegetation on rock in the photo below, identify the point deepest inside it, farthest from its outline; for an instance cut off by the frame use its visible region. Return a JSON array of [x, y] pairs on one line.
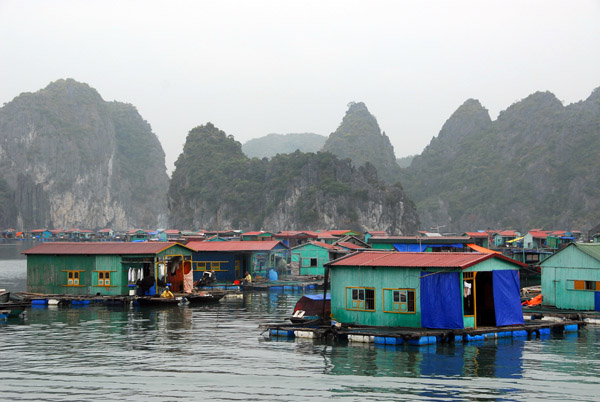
[[215, 185]]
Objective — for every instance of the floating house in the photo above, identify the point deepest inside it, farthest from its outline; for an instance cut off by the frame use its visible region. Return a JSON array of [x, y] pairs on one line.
[[257, 236], [378, 233], [292, 238], [311, 257], [229, 260], [571, 277], [481, 238], [425, 290], [137, 235], [506, 237], [332, 236], [419, 243], [105, 234], [106, 268]]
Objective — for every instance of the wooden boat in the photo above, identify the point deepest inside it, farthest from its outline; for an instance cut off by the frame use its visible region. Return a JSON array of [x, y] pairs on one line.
[[204, 297], [4, 295], [157, 301], [311, 308], [13, 309]]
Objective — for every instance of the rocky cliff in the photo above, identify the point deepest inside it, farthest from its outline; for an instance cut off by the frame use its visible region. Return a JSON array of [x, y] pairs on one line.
[[215, 186], [70, 159], [535, 166], [359, 138]]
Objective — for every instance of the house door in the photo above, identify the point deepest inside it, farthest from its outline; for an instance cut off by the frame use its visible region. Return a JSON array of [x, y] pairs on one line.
[[485, 313]]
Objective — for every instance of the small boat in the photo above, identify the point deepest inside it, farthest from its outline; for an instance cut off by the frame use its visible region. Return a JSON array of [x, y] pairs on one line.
[[4, 295], [204, 297], [13, 309], [157, 301], [311, 308]]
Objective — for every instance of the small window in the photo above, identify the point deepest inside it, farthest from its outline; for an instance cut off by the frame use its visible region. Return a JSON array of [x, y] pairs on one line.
[[361, 299], [201, 266], [72, 278], [215, 266], [103, 278], [586, 285], [313, 262], [402, 300]]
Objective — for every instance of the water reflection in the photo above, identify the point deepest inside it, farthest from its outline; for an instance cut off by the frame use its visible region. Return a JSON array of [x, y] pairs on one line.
[[217, 352]]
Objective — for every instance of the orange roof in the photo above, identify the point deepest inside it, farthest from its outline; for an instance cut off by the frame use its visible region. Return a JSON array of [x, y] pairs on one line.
[[480, 249]]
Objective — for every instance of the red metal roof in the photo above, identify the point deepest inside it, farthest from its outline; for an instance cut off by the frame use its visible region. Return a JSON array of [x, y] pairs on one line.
[[233, 245], [252, 233], [296, 233], [508, 233], [100, 248], [349, 245], [538, 234], [416, 260], [377, 232]]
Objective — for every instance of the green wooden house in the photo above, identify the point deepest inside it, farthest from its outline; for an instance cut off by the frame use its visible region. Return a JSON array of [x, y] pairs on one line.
[[425, 290], [571, 277], [104, 268], [311, 257]]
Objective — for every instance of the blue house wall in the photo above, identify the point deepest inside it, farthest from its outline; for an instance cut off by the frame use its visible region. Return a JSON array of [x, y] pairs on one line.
[[221, 263]]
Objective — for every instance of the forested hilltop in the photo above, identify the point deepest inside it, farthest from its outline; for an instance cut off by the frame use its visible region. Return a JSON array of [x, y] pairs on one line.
[[273, 144], [535, 166], [359, 138], [70, 159], [215, 185]]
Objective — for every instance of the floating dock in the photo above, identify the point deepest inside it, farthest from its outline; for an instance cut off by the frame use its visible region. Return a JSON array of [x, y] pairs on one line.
[[424, 336]]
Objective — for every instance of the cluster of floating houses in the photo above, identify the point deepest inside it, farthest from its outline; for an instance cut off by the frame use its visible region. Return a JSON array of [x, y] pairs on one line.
[[385, 289]]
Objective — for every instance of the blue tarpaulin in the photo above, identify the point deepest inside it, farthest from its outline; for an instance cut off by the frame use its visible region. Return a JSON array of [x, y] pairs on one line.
[[441, 300], [418, 248], [507, 298], [597, 301]]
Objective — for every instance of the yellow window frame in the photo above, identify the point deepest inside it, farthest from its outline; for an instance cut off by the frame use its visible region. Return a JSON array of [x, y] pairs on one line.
[[398, 305], [75, 277]]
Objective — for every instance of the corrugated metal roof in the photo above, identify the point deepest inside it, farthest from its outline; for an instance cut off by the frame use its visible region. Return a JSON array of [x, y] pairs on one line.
[[478, 234], [233, 245], [415, 260], [593, 250], [100, 248], [508, 233], [349, 245], [538, 234]]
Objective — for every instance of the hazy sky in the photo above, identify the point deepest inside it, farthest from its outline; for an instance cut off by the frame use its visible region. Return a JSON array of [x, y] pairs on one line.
[[259, 67]]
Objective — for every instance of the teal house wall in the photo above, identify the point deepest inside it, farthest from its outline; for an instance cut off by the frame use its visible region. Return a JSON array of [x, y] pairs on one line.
[[571, 278], [393, 293], [91, 269], [311, 258], [381, 280]]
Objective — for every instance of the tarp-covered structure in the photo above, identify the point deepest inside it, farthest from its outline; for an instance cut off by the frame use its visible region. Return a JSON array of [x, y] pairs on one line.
[[427, 290]]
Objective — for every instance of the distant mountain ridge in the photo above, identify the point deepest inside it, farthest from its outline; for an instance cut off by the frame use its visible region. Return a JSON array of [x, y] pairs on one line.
[[535, 166], [215, 185], [273, 144], [70, 159]]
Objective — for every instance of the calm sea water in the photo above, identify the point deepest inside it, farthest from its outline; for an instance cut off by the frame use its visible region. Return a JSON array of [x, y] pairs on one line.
[[218, 353]]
